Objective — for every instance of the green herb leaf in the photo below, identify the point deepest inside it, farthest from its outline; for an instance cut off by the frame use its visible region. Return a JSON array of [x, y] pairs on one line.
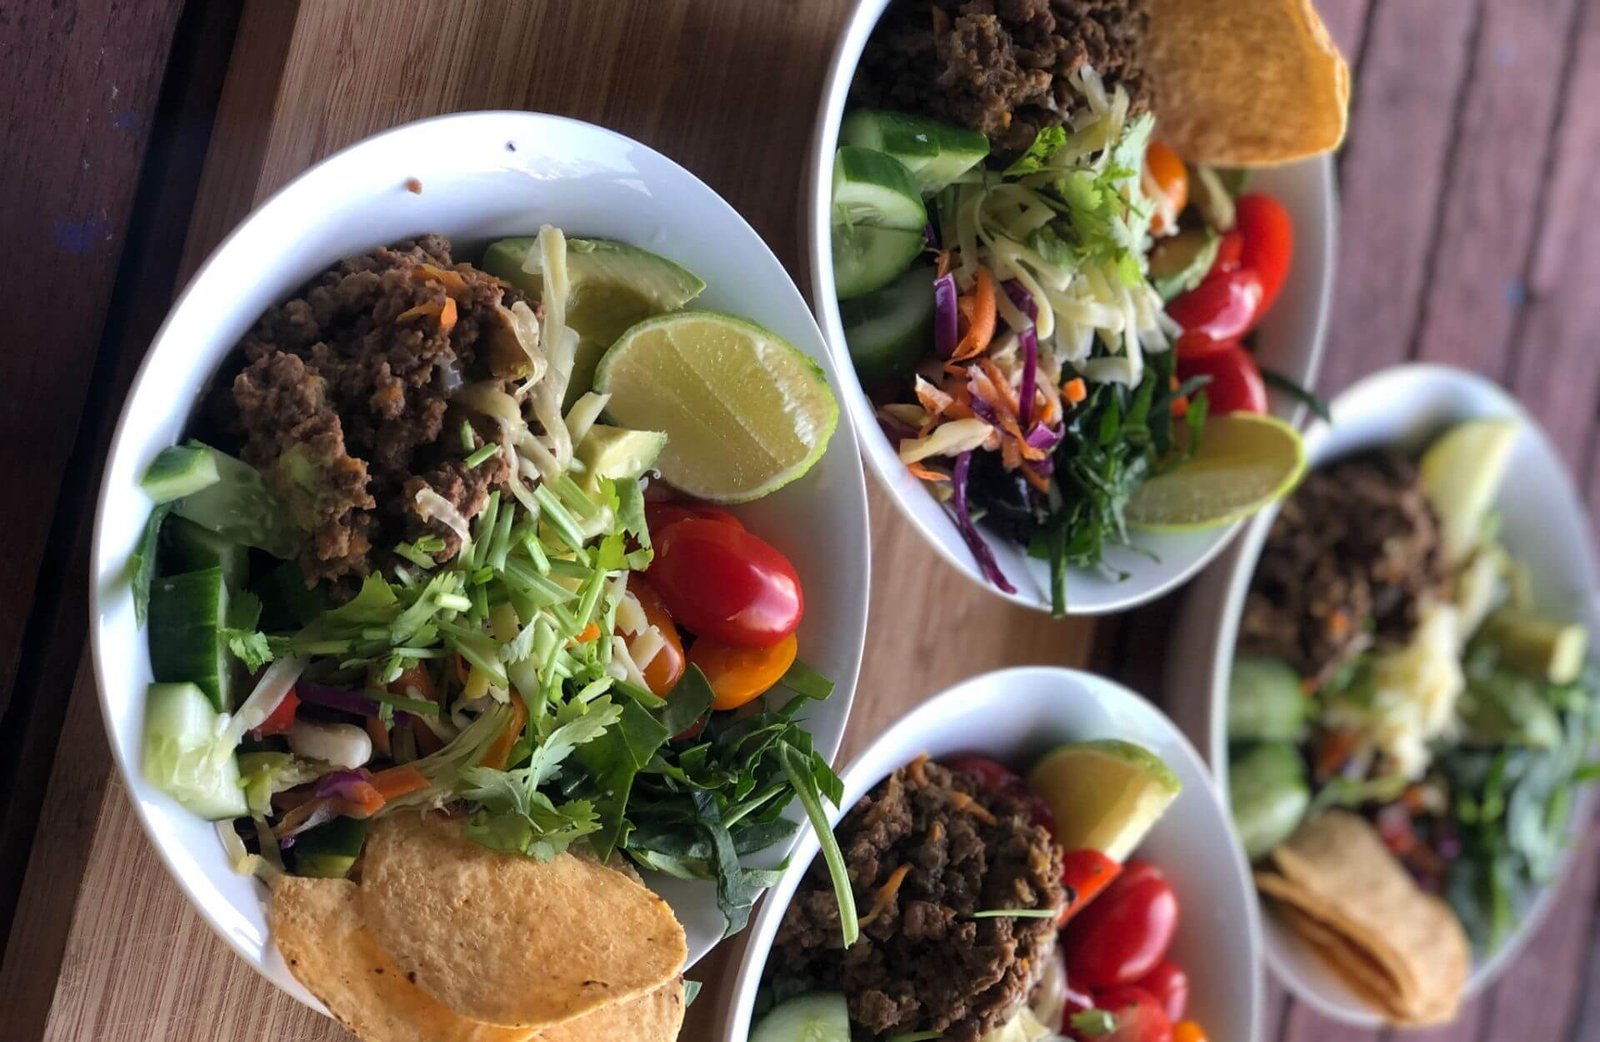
[[1045, 144], [800, 770]]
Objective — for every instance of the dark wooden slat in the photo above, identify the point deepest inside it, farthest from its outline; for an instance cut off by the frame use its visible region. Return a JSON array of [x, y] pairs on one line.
[[78, 85], [1411, 71], [1492, 190], [1304, 1024], [1467, 1027]]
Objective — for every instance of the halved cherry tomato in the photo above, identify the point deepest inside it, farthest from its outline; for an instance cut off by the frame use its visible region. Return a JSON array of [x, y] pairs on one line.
[[1230, 251], [1267, 236], [280, 719], [1084, 873], [1168, 984], [1191, 345], [1138, 1016], [1222, 307], [662, 672], [724, 583], [738, 674], [997, 777], [1236, 384], [1170, 177], [659, 515], [1120, 937]]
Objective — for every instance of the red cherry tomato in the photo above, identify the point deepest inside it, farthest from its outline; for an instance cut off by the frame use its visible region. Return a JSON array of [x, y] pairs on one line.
[[1120, 937], [1267, 236], [1222, 307], [661, 673], [1138, 1013], [997, 777], [1084, 873], [280, 719], [722, 582], [1168, 985], [1236, 384], [1230, 251], [659, 515]]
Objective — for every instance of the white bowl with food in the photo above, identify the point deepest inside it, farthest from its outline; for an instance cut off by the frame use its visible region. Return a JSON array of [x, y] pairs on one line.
[[514, 556], [1093, 755], [1413, 646], [1020, 438]]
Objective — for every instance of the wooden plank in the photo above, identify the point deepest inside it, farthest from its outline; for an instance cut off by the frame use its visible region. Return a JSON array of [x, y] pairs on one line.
[[1488, 210], [1347, 24], [1412, 68]]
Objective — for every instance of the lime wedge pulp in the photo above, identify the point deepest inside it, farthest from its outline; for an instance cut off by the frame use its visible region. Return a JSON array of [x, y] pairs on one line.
[[1245, 462], [745, 413], [1105, 794]]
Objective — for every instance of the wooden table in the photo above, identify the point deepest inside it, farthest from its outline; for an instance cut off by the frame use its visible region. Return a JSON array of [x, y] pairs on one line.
[[137, 133]]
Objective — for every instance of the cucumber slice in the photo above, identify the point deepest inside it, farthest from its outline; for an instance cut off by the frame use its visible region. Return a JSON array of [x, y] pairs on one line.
[[330, 850], [819, 1016], [890, 331], [875, 189], [180, 754], [1269, 796], [187, 615], [240, 508], [178, 471], [188, 547], [1265, 702], [935, 153], [866, 259]]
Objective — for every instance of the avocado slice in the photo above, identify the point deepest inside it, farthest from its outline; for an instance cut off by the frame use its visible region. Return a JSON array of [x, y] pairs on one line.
[[614, 286], [330, 850], [617, 453], [1105, 794], [1179, 263]]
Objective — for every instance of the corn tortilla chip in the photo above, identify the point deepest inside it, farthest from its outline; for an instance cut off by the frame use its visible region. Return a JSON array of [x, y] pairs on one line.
[[506, 939], [654, 1016], [1246, 82], [1362, 974], [317, 926]]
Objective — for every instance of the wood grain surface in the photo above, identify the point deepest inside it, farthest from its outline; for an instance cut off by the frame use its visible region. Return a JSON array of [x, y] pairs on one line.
[[1466, 236]]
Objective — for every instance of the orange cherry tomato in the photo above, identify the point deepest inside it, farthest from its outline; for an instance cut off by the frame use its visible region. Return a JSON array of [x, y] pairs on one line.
[[662, 672], [738, 674], [1189, 1031], [1166, 173]]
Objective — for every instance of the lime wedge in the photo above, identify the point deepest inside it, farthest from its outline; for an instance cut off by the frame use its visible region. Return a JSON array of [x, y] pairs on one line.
[[1105, 794], [744, 412], [1245, 462]]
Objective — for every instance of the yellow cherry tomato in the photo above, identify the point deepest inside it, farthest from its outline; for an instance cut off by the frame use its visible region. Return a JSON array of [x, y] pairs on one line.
[[739, 674], [1166, 174], [662, 672], [1188, 1031]]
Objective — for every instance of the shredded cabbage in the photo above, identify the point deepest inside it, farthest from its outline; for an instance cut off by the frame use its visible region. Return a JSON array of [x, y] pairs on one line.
[[434, 507], [948, 439]]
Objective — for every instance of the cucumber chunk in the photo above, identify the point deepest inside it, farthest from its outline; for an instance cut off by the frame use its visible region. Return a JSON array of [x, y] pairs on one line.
[[1265, 702], [866, 259], [1269, 796], [188, 613], [178, 471], [819, 1016], [935, 153], [188, 547], [239, 508], [330, 850], [890, 331], [181, 757], [875, 189]]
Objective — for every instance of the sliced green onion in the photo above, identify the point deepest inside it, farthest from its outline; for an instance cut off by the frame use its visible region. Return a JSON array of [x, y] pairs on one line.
[[805, 787], [560, 520], [419, 706], [453, 601], [414, 555], [1016, 913], [466, 436], [484, 454]]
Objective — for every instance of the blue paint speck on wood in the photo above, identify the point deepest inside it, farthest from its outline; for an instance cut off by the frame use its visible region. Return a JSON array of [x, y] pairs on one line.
[[127, 119], [80, 236]]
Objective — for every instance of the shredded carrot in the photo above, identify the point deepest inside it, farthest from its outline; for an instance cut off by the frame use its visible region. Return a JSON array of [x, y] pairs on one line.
[[980, 313], [590, 633], [379, 735], [1051, 410], [1001, 385], [883, 900], [1180, 407], [452, 281], [416, 682], [364, 802], [972, 806], [927, 473], [500, 751], [1075, 390], [428, 308], [1333, 751], [395, 782], [1037, 480], [447, 315], [1338, 624], [942, 264], [917, 771]]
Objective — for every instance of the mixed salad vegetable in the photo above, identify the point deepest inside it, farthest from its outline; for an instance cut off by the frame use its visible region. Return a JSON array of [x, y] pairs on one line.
[[1043, 333], [574, 655]]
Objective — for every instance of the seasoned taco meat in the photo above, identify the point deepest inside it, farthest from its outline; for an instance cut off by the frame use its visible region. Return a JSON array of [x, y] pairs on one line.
[[1001, 66], [345, 391], [927, 848], [1351, 557]]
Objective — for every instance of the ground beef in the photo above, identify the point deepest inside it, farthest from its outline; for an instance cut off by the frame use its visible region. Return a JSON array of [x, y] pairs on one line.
[[922, 962], [1349, 559], [1001, 66], [345, 392]]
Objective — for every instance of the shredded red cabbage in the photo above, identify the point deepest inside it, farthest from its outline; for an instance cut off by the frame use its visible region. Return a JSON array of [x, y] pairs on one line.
[[1046, 438], [1021, 298], [1030, 363], [342, 699], [969, 531], [339, 784], [930, 236], [985, 412], [946, 328]]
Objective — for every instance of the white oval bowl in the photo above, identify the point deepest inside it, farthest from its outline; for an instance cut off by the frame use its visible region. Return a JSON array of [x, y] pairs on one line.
[[1545, 526], [1016, 715], [484, 175], [1289, 342]]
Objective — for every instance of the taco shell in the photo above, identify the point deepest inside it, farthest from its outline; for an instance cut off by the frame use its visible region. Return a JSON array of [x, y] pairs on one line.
[[655, 1016]]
